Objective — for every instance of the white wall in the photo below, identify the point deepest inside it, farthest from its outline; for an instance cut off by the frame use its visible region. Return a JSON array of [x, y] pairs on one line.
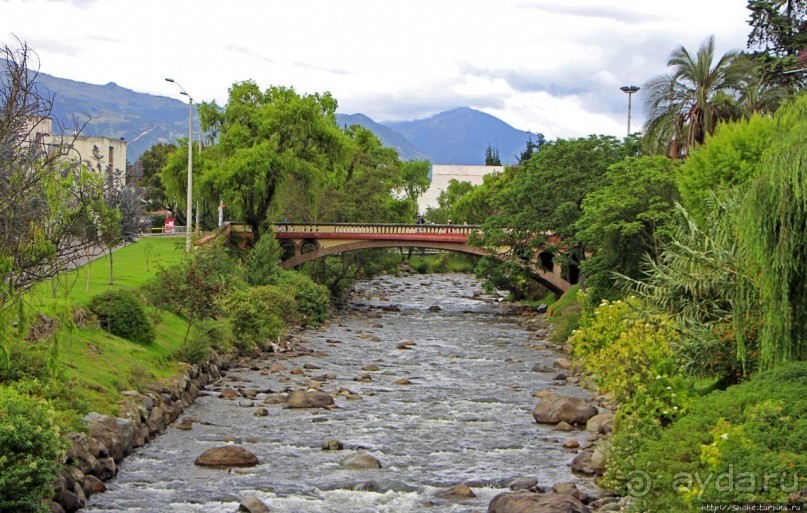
[[442, 174]]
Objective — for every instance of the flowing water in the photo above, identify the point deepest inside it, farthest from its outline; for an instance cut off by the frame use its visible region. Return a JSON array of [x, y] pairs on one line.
[[465, 417]]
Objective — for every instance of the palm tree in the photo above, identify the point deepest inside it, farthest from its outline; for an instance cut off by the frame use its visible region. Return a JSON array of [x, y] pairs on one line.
[[685, 105]]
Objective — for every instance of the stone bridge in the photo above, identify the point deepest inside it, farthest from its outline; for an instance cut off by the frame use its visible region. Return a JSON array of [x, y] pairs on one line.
[[305, 242]]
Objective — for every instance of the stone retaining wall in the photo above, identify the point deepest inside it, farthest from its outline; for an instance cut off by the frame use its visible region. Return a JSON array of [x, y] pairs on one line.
[[94, 456]]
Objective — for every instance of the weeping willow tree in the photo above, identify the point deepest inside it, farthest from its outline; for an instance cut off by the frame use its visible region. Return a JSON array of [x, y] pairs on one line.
[[773, 228]]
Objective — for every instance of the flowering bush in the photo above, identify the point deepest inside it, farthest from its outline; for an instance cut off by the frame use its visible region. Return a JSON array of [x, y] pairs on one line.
[[30, 449]]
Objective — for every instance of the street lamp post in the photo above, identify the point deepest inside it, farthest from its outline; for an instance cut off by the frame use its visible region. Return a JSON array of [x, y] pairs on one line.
[[629, 90], [189, 197]]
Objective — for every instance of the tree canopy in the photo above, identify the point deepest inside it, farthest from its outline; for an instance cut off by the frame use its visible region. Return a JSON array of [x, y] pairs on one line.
[[265, 137]]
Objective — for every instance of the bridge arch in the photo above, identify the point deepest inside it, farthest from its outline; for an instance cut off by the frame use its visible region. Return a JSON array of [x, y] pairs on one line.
[[552, 279], [305, 242], [304, 257]]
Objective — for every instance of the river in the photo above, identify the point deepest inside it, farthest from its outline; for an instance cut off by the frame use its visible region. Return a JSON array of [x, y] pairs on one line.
[[465, 417]]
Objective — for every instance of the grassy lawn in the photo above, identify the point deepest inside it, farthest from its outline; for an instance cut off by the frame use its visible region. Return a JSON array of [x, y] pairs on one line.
[[98, 363], [132, 265]]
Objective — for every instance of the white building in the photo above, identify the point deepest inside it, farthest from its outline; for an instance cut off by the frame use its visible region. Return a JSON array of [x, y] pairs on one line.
[[442, 174], [94, 152]]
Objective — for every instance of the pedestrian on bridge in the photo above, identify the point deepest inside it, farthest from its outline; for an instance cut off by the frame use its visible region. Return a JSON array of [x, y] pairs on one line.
[[420, 221]]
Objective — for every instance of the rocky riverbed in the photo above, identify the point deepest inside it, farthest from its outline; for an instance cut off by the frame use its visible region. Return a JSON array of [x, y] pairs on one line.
[[421, 393]]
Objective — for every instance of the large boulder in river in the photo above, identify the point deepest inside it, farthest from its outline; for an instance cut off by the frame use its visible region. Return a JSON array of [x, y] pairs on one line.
[[253, 504], [536, 503], [308, 399], [555, 408], [457, 492], [227, 456], [360, 460]]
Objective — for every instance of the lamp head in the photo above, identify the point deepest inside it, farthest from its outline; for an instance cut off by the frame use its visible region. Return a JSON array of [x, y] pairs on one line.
[[629, 89]]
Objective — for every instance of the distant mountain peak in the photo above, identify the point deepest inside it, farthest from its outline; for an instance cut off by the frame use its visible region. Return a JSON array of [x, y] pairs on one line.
[[461, 136], [456, 136]]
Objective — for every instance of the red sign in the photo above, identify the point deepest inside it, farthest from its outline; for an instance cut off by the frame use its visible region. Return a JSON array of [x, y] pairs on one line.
[[169, 225]]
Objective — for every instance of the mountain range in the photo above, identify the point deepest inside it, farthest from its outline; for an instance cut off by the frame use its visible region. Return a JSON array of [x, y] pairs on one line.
[[458, 136]]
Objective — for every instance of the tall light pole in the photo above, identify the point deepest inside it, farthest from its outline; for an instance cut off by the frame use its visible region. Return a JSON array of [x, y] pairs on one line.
[[189, 213], [629, 90]]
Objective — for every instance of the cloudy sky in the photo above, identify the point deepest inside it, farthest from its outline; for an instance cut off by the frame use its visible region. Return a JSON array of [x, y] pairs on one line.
[[550, 66]]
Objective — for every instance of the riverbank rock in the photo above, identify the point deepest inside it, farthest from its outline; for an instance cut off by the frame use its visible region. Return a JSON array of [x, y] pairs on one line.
[[508, 502], [228, 393], [116, 435], [253, 504], [308, 399], [555, 408], [523, 483], [601, 423], [457, 492], [563, 363], [571, 443], [360, 460], [227, 456], [589, 462]]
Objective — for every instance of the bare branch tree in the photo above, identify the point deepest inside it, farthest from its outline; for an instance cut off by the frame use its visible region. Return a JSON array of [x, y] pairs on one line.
[[47, 201]]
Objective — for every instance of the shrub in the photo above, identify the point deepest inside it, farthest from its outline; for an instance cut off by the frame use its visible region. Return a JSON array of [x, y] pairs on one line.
[[217, 331], [196, 349], [600, 328], [262, 261], [122, 314], [631, 354], [260, 314], [31, 448], [193, 288], [24, 360], [313, 300], [745, 444]]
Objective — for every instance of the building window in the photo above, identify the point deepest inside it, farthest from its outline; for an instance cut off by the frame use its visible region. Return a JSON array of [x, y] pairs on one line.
[[111, 158]]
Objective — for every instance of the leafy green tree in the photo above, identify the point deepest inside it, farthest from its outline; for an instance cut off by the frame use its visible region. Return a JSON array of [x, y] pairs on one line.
[[545, 195], [778, 26], [626, 221], [109, 231], [532, 147], [492, 156], [193, 287], [365, 192], [415, 181], [537, 210], [732, 156], [778, 34], [476, 205], [148, 172], [266, 136], [683, 106], [446, 201]]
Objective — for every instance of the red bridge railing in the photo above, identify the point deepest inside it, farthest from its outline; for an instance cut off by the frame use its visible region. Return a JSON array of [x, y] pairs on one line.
[[374, 228]]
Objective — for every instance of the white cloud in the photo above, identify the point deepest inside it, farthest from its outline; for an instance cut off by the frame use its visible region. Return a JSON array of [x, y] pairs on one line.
[[539, 65]]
